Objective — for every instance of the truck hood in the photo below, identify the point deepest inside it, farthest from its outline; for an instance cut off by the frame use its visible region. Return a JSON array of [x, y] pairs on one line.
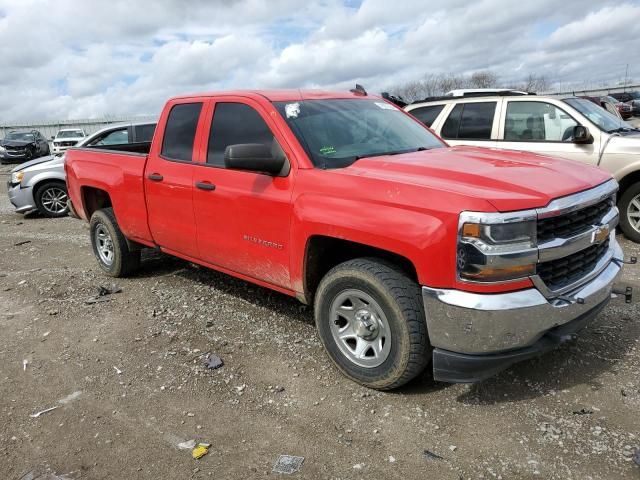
[[509, 180]]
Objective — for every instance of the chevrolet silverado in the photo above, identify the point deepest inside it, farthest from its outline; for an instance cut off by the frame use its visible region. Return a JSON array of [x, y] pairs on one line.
[[412, 253]]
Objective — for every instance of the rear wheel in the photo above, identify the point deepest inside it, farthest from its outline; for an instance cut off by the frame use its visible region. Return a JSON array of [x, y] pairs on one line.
[[629, 206], [370, 318], [51, 199], [110, 246]]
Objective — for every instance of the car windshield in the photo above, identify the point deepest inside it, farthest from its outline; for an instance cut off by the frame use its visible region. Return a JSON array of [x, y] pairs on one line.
[[21, 136], [336, 133], [70, 134], [599, 116], [609, 99]]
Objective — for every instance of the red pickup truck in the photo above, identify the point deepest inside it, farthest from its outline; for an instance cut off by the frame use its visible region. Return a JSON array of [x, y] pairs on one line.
[[411, 252]]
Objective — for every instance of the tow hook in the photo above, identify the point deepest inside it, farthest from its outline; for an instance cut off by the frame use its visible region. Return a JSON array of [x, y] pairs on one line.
[[620, 261], [627, 292]]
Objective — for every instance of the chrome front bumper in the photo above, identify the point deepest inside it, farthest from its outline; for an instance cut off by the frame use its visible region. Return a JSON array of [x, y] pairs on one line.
[[474, 323]]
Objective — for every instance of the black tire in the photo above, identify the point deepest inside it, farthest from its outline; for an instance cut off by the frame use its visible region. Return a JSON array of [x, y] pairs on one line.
[[49, 192], [400, 300], [124, 261], [631, 193]]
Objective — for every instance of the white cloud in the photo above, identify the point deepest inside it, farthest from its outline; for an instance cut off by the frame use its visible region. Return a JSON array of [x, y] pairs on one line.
[[72, 58]]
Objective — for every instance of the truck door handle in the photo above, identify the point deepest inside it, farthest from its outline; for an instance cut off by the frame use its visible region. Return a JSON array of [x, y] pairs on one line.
[[155, 177], [205, 186]]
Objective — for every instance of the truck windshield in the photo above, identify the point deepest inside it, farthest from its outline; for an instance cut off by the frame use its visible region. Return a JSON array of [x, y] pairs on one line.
[[69, 134], [336, 133], [599, 116]]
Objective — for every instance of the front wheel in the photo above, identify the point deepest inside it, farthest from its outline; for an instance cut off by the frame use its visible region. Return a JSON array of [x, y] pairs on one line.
[[110, 246], [51, 199], [629, 206], [370, 318]]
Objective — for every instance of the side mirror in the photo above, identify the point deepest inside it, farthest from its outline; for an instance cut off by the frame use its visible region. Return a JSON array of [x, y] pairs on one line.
[[581, 134], [255, 157]]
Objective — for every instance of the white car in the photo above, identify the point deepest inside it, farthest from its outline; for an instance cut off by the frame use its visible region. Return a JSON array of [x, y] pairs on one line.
[[573, 128], [67, 137]]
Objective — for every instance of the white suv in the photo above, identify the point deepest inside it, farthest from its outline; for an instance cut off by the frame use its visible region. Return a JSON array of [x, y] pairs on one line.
[[66, 138], [573, 128]]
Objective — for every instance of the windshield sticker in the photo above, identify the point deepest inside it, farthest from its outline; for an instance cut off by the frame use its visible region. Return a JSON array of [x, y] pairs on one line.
[[327, 150], [385, 106], [292, 110]]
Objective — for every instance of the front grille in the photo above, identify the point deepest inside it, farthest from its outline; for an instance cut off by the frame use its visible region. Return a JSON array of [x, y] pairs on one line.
[[559, 273], [573, 223], [68, 144]]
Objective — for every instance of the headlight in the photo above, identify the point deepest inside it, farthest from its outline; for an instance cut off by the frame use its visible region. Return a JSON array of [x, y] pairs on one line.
[[17, 177], [495, 247], [2, 149]]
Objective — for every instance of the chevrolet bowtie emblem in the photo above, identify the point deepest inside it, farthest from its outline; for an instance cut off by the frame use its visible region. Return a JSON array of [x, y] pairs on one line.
[[600, 235]]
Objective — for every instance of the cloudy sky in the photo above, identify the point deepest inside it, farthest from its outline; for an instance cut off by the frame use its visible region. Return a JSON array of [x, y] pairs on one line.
[[90, 58]]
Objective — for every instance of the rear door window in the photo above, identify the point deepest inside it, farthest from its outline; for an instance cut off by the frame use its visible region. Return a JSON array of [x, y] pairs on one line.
[[470, 121], [116, 137], [235, 123], [180, 132], [477, 121], [144, 133], [427, 115]]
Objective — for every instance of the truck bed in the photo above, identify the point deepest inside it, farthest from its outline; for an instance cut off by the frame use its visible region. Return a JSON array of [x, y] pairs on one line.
[[117, 176]]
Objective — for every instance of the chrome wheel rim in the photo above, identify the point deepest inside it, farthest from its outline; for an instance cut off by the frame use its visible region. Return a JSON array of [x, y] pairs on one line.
[[360, 328], [104, 245], [633, 213], [54, 200]]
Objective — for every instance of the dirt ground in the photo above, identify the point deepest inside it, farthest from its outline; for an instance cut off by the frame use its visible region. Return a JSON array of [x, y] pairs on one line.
[[128, 381]]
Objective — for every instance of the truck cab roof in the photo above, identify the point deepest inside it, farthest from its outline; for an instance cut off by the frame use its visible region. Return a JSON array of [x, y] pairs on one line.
[[282, 95]]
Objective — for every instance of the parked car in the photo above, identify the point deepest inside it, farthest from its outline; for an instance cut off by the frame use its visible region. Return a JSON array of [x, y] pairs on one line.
[[632, 98], [624, 109], [608, 106], [40, 184], [347, 203], [21, 145], [572, 128], [67, 137]]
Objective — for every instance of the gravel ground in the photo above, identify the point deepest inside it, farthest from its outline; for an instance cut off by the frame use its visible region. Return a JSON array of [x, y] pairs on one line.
[[128, 381]]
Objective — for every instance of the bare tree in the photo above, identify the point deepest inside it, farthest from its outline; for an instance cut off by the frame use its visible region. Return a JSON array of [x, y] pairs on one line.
[[432, 85], [483, 79], [536, 83], [451, 81]]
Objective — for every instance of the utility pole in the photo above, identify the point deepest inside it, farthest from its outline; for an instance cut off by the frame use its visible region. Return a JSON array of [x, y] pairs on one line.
[[626, 73]]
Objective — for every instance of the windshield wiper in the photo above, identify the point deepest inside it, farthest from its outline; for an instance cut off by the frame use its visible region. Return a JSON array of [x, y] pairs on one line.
[[623, 129], [396, 152]]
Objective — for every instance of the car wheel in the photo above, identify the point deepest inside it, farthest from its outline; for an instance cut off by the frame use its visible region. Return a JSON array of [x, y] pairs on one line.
[[629, 206], [110, 246], [371, 321], [51, 199], [28, 154]]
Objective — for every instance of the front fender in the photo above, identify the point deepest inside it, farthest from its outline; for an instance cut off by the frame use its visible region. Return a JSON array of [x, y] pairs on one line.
[[425, 238]]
